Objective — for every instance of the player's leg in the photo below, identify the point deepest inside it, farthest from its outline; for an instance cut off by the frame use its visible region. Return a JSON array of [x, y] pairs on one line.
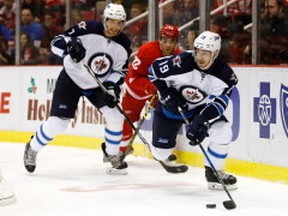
[[220, 135], [132, 108], [64, 103], [113, 133], [164, 136]]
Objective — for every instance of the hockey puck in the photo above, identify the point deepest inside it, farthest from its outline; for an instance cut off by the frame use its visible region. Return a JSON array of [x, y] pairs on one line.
[[210, 206]]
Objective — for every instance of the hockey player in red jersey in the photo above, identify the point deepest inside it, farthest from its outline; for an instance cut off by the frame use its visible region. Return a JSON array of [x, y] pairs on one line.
[[138, 87]]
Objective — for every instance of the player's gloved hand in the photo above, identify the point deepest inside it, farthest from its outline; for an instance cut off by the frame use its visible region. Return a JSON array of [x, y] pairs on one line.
[[197, 130], [113, 94], [172, 99], [76, 50]]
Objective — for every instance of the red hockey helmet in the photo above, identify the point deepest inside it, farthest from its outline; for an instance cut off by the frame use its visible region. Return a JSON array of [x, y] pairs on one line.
[[170, 31]]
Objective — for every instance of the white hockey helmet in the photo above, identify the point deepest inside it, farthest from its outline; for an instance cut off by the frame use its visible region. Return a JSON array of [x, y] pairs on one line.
[[209, 41], [114, 11]]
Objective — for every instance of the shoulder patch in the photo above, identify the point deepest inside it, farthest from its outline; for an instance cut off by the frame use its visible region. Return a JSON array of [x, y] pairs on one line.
[[82, 25], [177, 61]]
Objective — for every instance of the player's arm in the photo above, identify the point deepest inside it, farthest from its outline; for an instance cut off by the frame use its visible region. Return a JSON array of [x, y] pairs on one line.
[[198, 130], [160, 72], [138, 80], [219, 104], [61, 44], [156, 73]]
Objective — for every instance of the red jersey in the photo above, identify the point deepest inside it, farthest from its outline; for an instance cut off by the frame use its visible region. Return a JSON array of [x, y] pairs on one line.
[[137, 81]]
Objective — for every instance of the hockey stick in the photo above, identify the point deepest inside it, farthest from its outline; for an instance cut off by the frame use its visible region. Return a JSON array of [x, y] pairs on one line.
[[140, 123], [103, 88], [147, 110], [228, 204], [170, 169]]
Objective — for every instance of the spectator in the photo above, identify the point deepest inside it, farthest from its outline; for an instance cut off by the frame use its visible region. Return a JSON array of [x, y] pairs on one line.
[[222, 25], [5, 57], [274, 33], [80, 4], [50, 30], [189, 11], [8, 46], [36, 7], [234, 39], [8, 14], [76, 16], [191, 35], [171, 13], [29, 53], [5, 32], [240, 44], [57, 7], [138, 30], [35, 30], [238, 8]]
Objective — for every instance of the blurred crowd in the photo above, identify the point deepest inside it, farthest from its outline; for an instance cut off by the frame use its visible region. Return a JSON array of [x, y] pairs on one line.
[[41, 20]]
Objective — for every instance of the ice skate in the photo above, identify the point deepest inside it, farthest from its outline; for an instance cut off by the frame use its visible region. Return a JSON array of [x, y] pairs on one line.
[[29, 158], [7, 195], [119, 167], [229, 180], [171, 166], [126, 150]]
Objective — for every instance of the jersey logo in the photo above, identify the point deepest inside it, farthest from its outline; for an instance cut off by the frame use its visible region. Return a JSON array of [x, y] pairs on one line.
[[177, 61], [82, 25], [192, 94], [234, 77], [100, 64]]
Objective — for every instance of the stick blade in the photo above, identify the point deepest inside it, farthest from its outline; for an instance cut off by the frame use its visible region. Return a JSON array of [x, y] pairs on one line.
[[229, 204]]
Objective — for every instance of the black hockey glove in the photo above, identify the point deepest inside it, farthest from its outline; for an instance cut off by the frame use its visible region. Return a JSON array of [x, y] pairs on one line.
[[76, 50], [172, 99], [197, 130], [113, 94]]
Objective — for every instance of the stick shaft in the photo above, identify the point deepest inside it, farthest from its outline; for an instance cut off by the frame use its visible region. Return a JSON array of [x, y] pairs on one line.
[[117, 106], [208, 158], [144, 117]]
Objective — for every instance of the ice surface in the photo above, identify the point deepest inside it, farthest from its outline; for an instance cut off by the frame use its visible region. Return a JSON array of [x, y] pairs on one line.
[[72, 181]]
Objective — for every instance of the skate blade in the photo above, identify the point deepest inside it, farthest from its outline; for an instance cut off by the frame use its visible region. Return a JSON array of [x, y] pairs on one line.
[[218, 186], [114, 171], [8, 201]]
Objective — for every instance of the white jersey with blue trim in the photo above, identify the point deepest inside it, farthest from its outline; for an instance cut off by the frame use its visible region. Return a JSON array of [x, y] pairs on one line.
[[107, 57], [210, 87]]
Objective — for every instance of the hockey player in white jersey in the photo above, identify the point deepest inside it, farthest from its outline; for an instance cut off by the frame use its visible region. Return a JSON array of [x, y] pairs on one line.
[[105, 50], [200, 84]]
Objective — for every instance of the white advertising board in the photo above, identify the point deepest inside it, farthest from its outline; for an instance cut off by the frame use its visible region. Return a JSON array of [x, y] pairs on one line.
[[258, 111]]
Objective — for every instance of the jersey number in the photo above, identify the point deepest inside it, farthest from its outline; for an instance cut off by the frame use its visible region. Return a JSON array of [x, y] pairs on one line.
[[163, 67], [136, 63]]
